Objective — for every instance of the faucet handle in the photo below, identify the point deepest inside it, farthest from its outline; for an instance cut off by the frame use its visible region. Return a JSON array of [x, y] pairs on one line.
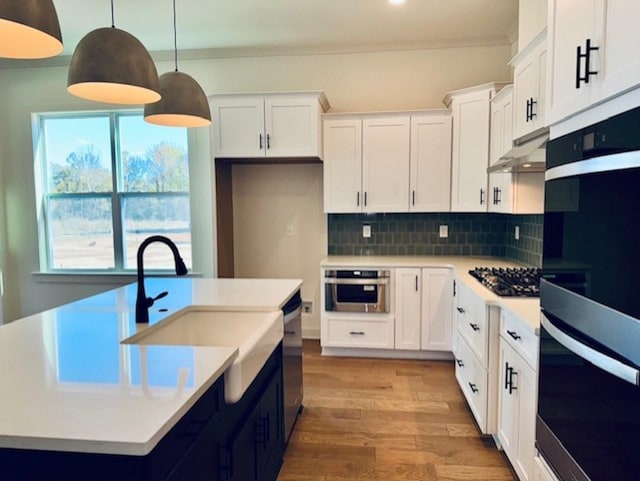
[[151, 300]]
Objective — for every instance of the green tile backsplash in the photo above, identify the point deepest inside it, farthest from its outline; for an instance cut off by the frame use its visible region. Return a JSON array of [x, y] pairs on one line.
[[417, 234]]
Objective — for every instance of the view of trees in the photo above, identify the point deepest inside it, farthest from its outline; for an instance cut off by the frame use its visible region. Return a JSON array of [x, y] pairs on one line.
[[163, 168]]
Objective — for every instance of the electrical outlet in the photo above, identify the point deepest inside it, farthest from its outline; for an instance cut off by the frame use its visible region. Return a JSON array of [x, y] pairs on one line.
[[307, 307], [289, 230], [516, 234], [444, 231], [366, 230]]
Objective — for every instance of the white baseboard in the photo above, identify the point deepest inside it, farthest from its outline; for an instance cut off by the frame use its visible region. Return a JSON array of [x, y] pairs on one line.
[[387, 353]]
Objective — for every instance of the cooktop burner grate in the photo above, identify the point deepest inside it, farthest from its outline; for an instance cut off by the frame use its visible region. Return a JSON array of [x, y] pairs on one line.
[[509, 281]]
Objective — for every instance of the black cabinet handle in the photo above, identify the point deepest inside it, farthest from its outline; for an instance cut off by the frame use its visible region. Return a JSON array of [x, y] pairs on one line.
[[474, 326], [262, 431], [512, 372], [358, 199], [474, 388], [460, 362], [413, 197], [460, 310], [506, 375], [416, 283], [498, 195], [514, 335], [527, 115], [454, 289], [365, 199], [532, 114], [260, 141], [268, 141], [481, 196], [495, 195], [587, 63], [356, 333]]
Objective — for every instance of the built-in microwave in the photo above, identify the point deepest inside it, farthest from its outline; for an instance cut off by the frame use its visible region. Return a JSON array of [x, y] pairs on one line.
[[357, 290], [589, 374]]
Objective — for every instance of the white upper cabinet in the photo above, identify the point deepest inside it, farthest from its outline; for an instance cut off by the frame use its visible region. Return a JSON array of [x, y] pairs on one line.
[[266, 125], [529, 90], [470, 147], [387, 162], [430, 176], [342, 165], [501, 139], [593, 53]]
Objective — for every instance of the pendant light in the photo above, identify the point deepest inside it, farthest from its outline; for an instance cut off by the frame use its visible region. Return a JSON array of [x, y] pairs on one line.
[[184, 103], [29, 29], [110, 65]]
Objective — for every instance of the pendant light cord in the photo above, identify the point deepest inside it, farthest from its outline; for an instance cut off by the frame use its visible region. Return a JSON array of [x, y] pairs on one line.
[[175, 36], [113, 21]]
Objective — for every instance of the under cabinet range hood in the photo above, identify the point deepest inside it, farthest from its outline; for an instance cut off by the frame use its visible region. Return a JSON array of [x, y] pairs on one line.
[[527, 155]]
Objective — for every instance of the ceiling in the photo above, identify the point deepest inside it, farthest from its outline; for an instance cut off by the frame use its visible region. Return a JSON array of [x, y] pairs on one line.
[[249, 27]]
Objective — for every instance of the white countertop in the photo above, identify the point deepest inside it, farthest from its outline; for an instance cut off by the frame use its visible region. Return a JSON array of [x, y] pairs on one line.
[[526, 308], [70, 385]]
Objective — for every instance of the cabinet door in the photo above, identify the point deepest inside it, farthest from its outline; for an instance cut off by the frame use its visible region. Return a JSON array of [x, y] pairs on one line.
[[407, 324], [508, 405], [343, 166], [238, 127], [385, 161], [497, 133], [269, 429], [430, 176], [437, 313], [620, 66], [525, 77], [470, 152], [571, 23], [501, 190], [292, 127], [518, 404]]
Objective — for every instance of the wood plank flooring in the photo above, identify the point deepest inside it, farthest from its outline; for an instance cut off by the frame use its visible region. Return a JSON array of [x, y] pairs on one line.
[[379, 419]]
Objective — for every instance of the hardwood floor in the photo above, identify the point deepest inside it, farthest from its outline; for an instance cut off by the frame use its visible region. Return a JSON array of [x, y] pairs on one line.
[[379, 419]]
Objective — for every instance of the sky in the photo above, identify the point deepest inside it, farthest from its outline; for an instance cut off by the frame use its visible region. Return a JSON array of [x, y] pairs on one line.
[[66, 135]]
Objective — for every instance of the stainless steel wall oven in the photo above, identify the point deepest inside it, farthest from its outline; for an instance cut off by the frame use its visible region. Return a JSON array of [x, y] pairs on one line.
[[349, 290], [589, 400]]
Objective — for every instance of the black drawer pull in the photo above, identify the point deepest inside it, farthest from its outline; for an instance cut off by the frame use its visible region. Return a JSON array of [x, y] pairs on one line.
[[290, 333], [356, 333], [473, 387], [475, 327], [514, 335], [460, 310], [460, 362]]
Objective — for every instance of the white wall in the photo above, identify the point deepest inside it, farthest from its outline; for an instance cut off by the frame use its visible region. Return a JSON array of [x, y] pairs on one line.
[[352, 82], [532, 17]]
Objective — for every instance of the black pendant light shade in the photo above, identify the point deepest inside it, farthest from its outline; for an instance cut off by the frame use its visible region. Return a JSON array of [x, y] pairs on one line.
[[111, 65], [183, 104], [29, 29]]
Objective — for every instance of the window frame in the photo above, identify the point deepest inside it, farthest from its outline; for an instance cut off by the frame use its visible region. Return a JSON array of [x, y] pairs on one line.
[[116, 196]]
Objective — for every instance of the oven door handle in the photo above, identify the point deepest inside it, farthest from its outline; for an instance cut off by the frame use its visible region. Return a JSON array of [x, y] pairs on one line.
[[357, 282], [609, 364]]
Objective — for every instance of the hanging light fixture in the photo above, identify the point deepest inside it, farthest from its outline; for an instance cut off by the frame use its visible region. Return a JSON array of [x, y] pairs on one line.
[[110, 65], [29, 29], [184, 103]]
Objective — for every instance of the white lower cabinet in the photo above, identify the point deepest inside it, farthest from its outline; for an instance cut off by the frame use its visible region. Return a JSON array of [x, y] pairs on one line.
[[518, 394], [541, 471], [419, 321], [476, 355], [423, 309]]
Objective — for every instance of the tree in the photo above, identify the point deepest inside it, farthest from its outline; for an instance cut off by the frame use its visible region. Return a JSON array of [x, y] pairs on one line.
[[83, 172]]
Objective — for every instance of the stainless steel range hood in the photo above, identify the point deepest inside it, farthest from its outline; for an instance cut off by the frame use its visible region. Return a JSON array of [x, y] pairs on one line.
[[527, 155]]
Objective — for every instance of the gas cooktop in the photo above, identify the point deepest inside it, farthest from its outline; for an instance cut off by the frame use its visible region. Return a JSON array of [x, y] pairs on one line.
[[509, 281]]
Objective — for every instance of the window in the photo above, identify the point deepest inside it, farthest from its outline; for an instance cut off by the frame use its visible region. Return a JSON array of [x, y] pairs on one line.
[[108, 181]]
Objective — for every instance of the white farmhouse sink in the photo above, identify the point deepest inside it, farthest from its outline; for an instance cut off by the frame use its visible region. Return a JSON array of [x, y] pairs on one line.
[[254, 333]]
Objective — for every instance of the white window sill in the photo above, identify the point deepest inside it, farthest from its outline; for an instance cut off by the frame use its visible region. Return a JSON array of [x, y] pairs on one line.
[[111, 278]]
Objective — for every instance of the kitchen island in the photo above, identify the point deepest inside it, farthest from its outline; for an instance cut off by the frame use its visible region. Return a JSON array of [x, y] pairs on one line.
[[71, 386]]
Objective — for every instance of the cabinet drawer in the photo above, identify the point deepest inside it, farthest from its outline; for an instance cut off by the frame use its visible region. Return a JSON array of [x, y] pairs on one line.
[[520, 337], [472, 323], [472, 378], [375, 333]]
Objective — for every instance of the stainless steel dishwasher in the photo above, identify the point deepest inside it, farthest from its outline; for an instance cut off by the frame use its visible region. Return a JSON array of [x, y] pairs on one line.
[[292, 362]]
